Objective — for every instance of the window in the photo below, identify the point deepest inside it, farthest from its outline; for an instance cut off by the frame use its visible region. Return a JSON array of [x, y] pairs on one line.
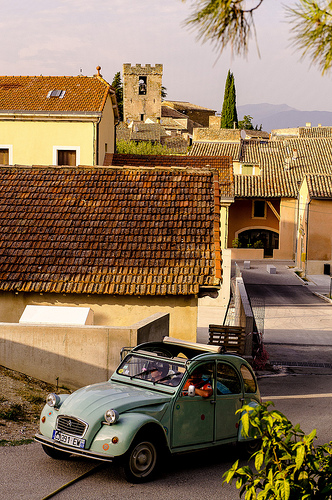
[[228, 381], [142, 86], [56, 93], [247, 169], [259, 209], [66, 155], [249, 381], [142, 117], [4, 156]]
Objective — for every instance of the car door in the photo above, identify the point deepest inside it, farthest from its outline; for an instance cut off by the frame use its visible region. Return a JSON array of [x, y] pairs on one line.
[[229, 398], [193, 416]]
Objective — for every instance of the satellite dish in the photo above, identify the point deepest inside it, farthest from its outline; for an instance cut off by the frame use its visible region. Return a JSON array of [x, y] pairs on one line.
[[243, 134]]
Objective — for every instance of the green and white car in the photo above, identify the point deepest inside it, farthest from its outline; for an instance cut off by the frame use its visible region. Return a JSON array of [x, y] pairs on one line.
[[149, 408]]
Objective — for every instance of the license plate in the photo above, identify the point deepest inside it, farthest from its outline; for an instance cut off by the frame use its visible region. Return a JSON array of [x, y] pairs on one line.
[[67, 439]]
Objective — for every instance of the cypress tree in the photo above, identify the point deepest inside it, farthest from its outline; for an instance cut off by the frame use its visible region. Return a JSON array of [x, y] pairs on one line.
[[118, 87], [229, 113]]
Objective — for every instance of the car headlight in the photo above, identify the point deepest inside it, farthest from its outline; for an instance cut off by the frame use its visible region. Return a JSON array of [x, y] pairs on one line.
[[111, 416], [53, 400]]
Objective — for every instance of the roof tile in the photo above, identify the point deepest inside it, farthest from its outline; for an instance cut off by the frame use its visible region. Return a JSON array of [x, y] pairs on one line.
[[30, 93], [115, 243]]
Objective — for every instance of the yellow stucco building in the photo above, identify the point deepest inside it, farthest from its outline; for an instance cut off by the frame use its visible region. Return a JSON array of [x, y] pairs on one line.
[[263, 220], [314, 237], [127, 242], [56, 120]]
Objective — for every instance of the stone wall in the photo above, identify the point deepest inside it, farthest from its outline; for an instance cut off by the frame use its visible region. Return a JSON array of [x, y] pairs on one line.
[[216, 134], [73, 356]]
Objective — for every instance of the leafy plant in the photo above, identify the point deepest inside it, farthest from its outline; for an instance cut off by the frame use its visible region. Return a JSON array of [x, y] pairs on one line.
[[288, 466], [236, 243], [15, 412], [143, 148], [258, 244]]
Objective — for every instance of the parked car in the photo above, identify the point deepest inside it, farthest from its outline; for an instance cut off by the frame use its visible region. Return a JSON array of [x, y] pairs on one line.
[[169, 396]]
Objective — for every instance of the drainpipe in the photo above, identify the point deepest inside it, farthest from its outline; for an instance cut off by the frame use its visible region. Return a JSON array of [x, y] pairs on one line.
[[306, 241], [96, 141]]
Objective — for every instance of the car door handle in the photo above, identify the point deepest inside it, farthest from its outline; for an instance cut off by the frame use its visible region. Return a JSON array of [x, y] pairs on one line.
[[213, 401]]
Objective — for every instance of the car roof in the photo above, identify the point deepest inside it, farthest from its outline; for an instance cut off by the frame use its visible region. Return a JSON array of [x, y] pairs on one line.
[[177, 348]]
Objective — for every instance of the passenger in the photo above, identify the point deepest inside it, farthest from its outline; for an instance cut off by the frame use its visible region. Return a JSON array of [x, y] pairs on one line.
[[202, 387]]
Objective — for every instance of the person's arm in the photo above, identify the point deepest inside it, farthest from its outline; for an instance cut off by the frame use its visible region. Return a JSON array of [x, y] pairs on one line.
[[206, 391]]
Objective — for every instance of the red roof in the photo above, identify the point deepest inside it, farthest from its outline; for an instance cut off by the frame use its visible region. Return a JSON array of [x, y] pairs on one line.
[[108, 230], [223, 164], [32, 93]]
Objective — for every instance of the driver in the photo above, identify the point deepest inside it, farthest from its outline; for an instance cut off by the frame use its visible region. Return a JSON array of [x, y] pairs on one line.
[[158, 371]]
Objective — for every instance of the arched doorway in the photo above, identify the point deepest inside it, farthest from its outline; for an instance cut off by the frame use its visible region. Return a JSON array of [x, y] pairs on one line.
[[259, 238]]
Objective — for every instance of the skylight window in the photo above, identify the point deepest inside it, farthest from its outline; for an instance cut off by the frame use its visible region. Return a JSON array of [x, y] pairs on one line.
[[56, 93]]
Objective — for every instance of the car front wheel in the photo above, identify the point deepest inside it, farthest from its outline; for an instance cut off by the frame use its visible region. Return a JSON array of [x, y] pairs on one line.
[[141, 461], [53, 453], [250, 447]]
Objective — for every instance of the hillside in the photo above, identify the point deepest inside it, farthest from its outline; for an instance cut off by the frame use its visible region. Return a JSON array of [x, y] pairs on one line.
[[272, 116]]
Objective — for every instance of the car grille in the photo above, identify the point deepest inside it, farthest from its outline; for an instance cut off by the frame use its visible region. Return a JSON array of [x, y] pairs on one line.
[[71, 425]]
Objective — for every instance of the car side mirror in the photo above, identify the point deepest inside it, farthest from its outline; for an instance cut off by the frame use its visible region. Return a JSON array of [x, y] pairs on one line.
[[191, 390]]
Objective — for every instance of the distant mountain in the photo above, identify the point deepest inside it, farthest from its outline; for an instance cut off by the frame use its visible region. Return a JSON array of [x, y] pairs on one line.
[[272, 116]]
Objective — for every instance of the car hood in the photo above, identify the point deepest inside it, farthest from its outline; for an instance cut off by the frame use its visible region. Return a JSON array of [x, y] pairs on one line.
[[93, 400]]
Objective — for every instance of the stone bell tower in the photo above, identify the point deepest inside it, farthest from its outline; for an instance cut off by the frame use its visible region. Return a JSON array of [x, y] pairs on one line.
[[142, 92]]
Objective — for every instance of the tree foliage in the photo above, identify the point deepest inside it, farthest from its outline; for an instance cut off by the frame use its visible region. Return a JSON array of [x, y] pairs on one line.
[[231, 23], [118, 87], [143, 148], [312, 30], [246, 123], [288, 466], [228, 112]]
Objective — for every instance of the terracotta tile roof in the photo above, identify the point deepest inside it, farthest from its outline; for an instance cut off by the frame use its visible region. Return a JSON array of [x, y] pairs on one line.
[[283, 164], [147, 132], [315, 131], [319, 186], [30, 93], [171, 118], [177, 143], [223, 165], [302, 132], [96, 230], [216, 149], [183, 105], [168, 112]]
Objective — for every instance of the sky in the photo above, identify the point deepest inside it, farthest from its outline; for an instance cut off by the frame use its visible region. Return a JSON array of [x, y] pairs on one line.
[[66, 37]]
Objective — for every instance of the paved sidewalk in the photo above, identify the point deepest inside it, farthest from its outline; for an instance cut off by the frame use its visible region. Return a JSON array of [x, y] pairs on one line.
[[320, 283], [298, 324]]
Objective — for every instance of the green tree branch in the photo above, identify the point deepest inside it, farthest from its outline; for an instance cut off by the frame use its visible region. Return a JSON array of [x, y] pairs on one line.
[[230, 23]]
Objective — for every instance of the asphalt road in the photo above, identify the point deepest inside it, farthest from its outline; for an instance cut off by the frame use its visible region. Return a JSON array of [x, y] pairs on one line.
[[304, 396], [281, 295], [298, 327]]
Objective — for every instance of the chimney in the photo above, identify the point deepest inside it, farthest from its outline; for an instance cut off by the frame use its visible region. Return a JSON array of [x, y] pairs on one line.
[[295, 154], [98, 68], [287, 163]]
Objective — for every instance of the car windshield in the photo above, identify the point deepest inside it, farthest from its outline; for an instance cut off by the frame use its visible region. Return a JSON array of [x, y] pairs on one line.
[[156, 370]]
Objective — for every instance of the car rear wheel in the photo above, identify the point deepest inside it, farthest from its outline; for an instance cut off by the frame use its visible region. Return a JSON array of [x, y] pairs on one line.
[[56, 454], [141, 461]]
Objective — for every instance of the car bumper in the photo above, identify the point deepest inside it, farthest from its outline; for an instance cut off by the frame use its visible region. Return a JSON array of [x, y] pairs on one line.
[[72, 451]]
